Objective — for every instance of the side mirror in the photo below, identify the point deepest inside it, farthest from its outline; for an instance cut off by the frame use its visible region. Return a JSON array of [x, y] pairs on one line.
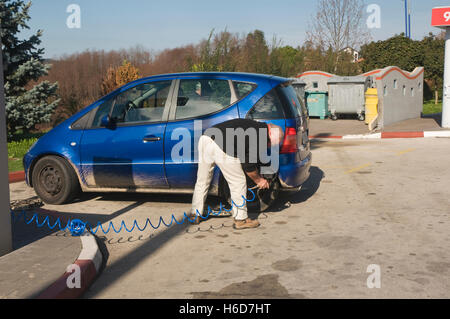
[[105, 121]]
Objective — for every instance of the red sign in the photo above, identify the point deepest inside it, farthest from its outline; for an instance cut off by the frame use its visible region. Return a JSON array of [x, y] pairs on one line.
[[441, 17]]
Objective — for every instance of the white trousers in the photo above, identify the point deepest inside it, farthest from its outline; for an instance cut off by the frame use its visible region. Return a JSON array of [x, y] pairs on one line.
[[210, 155]]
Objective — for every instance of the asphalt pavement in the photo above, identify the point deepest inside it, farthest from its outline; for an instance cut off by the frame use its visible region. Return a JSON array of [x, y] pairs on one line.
[[381, 202]]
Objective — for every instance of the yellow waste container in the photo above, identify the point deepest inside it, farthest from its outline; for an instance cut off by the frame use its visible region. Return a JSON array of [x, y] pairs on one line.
[[371, 105]]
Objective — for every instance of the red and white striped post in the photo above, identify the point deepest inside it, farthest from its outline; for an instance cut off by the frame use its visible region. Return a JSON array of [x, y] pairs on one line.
[[441, 19]]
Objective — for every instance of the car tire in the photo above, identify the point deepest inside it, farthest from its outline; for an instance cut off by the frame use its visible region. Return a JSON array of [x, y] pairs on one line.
[[54, 180], [267, 197], [264, 199], [362, 117], [334, 117]]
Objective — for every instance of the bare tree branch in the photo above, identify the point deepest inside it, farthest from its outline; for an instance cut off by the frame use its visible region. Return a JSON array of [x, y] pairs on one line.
[[338, 24]]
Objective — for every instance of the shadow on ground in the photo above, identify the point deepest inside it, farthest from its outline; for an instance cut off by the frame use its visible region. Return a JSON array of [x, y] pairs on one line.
[[148, 247], [437, 117], [30, 225], [309, 188]]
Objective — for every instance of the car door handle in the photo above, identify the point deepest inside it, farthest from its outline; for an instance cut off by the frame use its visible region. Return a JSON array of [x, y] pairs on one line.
[[151, 139]]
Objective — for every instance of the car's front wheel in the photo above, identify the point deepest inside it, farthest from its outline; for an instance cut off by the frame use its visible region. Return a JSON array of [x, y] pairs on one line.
[[54, 180]]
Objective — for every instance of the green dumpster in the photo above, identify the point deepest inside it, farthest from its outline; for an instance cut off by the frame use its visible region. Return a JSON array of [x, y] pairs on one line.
[[317, 103]]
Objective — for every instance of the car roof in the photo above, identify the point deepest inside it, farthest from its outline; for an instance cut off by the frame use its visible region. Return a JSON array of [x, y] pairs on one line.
[[241, 76]]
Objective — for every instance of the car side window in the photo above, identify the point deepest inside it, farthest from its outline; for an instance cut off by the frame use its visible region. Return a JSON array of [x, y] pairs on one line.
[[202, 97], [243, 88], [102, 111], [81, 123], [269, 107], [143, 103]]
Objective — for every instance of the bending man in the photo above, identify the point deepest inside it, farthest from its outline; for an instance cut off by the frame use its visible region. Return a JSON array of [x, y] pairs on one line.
[[233, 154]]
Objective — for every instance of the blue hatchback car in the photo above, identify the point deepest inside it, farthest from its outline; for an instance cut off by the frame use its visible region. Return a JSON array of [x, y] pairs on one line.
[[124, 141]]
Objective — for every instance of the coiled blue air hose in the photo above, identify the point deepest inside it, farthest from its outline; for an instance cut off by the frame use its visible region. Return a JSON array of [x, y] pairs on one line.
[[77, 227]]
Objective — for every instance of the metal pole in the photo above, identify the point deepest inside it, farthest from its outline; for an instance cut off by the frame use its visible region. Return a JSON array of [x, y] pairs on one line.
[[409, 19], [446, 95], [406, 18], [409, 26], [5, 215]]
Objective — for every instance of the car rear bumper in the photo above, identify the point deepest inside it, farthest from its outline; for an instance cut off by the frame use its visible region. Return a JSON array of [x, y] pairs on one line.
[[293, 175]]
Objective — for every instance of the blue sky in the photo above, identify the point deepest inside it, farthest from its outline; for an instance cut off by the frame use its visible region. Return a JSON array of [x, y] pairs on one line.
[[156, 25]]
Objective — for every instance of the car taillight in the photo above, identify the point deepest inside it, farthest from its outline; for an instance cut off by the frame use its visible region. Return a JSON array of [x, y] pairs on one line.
[[290, 141]]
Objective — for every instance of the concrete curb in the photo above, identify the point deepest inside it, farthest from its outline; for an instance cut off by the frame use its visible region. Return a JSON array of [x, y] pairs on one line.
[[388, 135], [16, 177], [89, 262]]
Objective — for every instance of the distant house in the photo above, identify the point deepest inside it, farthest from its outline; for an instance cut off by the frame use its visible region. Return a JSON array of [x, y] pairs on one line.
[[354, 53]]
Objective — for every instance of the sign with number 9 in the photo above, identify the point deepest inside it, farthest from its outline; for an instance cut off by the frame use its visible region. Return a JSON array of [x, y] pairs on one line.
[[447, 16], [441, 17]]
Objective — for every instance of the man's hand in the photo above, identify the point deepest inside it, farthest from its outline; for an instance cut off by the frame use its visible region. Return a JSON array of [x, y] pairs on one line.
[[261, 182]]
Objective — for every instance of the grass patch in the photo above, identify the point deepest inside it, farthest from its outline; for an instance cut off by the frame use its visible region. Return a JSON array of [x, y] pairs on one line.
[[18, 146], [15, 165], [430, 108]]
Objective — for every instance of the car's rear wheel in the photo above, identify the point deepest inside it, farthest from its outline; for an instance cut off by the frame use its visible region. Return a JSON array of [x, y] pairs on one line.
[[267, 197], [54, 180], [264, 199]]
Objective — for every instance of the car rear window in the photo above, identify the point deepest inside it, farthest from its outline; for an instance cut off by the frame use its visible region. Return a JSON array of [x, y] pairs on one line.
[[292, 103], [301, 97]]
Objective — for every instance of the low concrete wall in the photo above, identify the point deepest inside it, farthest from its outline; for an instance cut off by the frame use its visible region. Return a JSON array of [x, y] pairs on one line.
[[319, 77], [400, 94]]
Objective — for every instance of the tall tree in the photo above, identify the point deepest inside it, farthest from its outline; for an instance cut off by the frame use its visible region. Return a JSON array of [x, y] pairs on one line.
[[256, 53], [117, 77], [338, 24], [27, 103], [286, 61], [400, 51], [433, 60]]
